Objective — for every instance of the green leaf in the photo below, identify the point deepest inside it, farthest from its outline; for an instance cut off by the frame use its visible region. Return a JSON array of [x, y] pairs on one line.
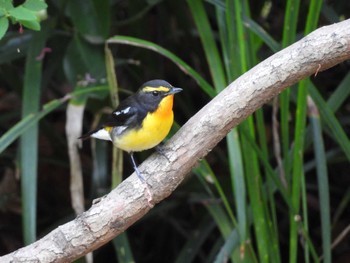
[[331, 121], [6, 4], [11, 44], [122, 246], [261, 33], [231, 243], [4, 24], [22, 13], [83, 60], [29, 140], [103, 17], [340, 95], [32, 24], [90, 18], [195, 240], [322, 180], [35, 5]]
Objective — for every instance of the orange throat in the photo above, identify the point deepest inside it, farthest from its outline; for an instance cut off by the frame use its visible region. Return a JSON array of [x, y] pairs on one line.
[[165, 107]]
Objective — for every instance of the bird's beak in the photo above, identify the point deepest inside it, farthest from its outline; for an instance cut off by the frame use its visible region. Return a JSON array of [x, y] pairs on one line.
[[174, 90]]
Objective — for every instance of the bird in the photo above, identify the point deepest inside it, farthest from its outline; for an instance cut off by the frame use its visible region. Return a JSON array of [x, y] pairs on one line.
[[141, 121]]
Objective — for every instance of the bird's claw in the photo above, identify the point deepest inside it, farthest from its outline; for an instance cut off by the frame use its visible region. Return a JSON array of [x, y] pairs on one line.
[[160, 150]]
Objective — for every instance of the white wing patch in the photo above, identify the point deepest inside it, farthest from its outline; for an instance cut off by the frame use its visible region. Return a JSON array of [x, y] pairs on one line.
[[102, 134], [124, 111], [119, 130]]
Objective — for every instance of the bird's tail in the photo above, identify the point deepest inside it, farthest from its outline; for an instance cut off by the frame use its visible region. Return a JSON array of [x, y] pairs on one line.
[[102, 133], [87, 135]]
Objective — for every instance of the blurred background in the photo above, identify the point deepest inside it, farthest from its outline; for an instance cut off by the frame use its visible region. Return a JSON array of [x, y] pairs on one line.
[[277, 189]]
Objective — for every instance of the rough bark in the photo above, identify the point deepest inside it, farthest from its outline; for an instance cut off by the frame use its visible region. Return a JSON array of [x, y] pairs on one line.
[[127, 203]]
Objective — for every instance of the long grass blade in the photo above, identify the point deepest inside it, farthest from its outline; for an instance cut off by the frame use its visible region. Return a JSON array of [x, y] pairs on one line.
[[132, 41], [224, 219], [252, 172], [206, 173], [231, 243], [322, 180], [122, 246], [251, 25], [117, 159], [227, 31], [298, 173], [29, 139], [340, 94], [197, 238], [208, 41], [289, 35], [331, 121]]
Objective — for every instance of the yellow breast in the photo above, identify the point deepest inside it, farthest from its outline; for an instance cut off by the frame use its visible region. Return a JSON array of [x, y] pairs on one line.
[[155, 128]]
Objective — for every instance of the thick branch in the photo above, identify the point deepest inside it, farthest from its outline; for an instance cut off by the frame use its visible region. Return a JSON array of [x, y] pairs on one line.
[[127, 203]]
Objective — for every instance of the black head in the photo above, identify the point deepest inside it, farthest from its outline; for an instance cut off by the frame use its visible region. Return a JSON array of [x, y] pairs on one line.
[[152, 92], [156, 83]]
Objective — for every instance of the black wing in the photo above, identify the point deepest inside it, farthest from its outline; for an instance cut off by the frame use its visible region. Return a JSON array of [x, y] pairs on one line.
[[124, 115], [128, 114]]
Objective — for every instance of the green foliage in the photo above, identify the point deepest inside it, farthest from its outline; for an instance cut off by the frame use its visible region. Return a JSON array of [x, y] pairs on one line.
[[267, 194], [27, 14], [4, 24]]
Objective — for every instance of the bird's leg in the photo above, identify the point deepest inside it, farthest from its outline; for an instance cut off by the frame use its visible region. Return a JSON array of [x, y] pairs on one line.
[[139, 175], [142, 179], [161, 151]]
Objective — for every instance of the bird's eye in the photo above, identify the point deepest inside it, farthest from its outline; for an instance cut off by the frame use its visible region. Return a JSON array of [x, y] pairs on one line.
[[155, 93]]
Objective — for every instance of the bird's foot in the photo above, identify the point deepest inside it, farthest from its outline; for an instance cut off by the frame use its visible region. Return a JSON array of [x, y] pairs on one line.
[[148, 193], [160, 149]]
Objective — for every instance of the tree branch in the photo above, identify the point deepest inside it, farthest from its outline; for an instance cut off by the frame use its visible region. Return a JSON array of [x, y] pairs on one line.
[[127, 203]]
